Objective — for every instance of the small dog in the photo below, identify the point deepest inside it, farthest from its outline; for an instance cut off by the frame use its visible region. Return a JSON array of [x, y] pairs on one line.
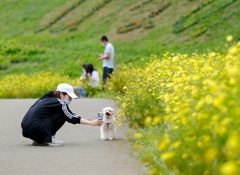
[[108, 128]]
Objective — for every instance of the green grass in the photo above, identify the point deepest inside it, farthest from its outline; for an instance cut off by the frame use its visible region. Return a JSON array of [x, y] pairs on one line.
[[66, 51]]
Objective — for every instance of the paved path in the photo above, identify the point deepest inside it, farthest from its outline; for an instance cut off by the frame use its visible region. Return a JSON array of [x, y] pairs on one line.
[[83, 152]]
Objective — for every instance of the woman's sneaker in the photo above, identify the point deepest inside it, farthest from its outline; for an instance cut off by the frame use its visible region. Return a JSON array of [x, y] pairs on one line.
[[34, 143], [55, 142]]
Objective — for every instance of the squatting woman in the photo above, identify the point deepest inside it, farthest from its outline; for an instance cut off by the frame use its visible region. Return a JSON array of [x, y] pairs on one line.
[[48, 114]]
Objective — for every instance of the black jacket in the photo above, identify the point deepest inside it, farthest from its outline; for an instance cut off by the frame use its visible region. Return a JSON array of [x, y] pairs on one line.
[[45, 117]]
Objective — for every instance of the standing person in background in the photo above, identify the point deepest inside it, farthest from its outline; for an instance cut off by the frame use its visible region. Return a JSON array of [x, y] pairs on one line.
[[107, 58]]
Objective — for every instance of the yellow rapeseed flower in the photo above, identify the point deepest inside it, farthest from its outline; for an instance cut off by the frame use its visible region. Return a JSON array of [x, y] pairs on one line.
[[184, 120], [124, 105], [176, 144], [156, 119], [210, 154], [220, 130], [226, 121], [184, 155], [137, 146], [228, 168], [153, 171], [167, 155], [229, 38], [138, 135], [233, 50], [233, 142], [148, 120], [163, 143]]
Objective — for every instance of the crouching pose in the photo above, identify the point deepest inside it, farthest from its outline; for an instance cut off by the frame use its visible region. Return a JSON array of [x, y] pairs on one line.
[[48, 114]]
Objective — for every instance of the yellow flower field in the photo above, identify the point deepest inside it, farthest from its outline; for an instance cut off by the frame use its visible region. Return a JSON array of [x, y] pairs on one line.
[[31, 86], [185, 110]]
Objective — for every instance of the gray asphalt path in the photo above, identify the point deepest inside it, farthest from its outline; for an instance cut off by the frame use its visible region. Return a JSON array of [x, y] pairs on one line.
[[83, 151]]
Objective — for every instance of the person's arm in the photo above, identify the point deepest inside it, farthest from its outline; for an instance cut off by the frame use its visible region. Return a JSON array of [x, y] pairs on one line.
[[82, 77], [74, 119], [107, 56], [89, 76], [94, 76], [95, 122]]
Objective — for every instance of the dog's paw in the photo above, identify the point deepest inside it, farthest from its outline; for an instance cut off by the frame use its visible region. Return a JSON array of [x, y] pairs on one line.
[[110, 139], [103, 138]]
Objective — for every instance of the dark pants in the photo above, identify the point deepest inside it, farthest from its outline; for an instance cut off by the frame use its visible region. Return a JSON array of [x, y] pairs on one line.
[[106, 74], [42, 133], [57, 123]]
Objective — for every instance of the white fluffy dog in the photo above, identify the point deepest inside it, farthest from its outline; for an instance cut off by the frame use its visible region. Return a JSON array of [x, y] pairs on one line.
[[108, 128]]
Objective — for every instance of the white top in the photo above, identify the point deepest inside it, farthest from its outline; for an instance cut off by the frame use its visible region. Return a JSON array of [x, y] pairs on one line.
[[109, 63], [83, 76], [95, 79]]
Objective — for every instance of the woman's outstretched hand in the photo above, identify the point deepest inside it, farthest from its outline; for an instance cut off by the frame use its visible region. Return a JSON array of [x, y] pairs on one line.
[[95, 122]]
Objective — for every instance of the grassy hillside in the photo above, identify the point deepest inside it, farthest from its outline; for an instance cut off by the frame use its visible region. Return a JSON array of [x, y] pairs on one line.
[[61, 35]]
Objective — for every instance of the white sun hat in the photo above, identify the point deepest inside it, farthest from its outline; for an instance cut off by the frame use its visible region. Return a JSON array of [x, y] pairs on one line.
[[64, 87]]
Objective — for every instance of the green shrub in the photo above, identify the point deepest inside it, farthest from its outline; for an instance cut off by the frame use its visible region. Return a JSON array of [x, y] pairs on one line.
[[17, 52], [3, 63]]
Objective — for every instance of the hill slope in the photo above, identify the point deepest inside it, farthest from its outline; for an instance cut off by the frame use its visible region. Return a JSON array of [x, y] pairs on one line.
[[61, 35]]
